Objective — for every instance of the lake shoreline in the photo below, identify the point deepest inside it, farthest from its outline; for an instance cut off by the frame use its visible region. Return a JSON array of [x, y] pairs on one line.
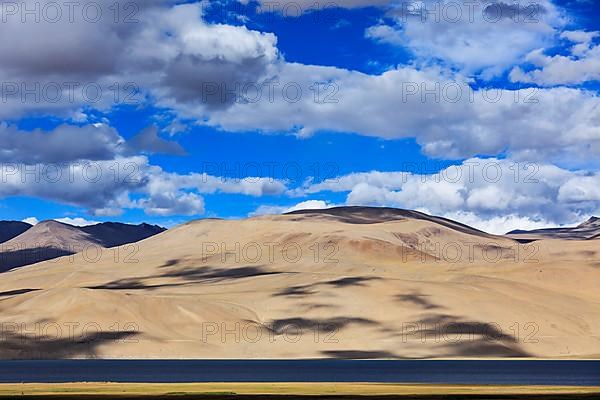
[[293, 390]]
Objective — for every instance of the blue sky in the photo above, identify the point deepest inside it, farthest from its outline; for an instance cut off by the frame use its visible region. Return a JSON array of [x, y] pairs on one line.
[[378, 118]]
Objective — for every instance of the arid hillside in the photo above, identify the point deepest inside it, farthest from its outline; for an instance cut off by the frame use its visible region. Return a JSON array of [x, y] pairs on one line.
[[342, 283]]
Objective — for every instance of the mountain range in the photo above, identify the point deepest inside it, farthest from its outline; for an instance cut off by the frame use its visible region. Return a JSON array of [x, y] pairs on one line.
[[342, 283], [585, 231], [24, 244]]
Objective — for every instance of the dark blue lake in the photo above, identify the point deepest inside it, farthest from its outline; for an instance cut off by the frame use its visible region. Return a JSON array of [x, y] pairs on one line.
[[526, 372]]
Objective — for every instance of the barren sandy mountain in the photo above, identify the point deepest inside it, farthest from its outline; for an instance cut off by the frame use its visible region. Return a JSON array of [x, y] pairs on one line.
[[51, 239], [587, 230], [373, 215], [11, 229], [344, 283]]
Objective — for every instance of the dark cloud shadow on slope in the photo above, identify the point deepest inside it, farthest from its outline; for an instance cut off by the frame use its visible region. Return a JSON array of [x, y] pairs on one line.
[[20, 258], [418, 299], [171, 263], [352, 281], [18, 346], [310, 289], [131, 284], [204, 274], [324, 325], [186, 276], [10, 293], [454, 336]]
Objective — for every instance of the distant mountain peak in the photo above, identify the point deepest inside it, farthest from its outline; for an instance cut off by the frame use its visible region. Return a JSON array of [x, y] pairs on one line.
[[51, 222], [591, 221], [587, 230], [50, 239]]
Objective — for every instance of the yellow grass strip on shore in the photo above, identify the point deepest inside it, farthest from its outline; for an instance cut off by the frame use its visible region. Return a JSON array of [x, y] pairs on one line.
[[370, 389]]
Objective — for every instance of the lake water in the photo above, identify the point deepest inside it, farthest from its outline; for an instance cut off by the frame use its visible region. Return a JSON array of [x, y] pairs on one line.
[[525, 372]]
